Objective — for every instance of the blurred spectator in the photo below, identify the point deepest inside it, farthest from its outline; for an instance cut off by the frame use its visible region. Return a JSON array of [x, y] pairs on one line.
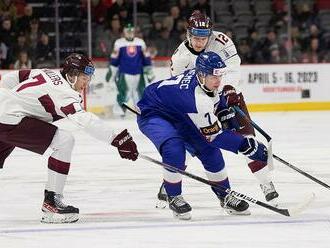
[[170, 22], [98, 9], [105, 39], [45, 50], [244, 52], [322, 4], [124, 16], [270, 40], [20, 44], [155, 30], [275, 57], [144, 6], [23, 23], [313, 54], [4, 52], [203, 6], [20, 5], [159, 5], [7, 32], [23, 61], [312, 32], [115, 8], [34, 33], [185, 9], [304, 17], [165, 44], [8, 8]]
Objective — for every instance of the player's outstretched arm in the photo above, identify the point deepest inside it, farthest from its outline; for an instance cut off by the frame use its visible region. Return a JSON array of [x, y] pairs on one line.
[[100, 130]]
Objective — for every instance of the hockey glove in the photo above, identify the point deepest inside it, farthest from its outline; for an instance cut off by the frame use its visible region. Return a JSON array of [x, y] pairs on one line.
[[253, 149], [227, 118], [126, 146], [232, 98]]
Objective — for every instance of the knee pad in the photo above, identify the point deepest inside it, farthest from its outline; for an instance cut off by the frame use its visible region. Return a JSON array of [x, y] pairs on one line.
[[62, 145], [173, 152]]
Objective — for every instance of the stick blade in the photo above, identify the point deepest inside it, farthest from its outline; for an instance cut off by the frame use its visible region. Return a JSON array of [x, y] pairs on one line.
[[302, 206]]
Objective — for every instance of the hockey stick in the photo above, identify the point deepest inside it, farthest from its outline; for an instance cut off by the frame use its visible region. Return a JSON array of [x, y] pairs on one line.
[[285, 211], [268, 138]]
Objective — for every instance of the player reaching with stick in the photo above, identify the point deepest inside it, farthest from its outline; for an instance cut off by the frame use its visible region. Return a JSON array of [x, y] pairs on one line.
[[30, 100]]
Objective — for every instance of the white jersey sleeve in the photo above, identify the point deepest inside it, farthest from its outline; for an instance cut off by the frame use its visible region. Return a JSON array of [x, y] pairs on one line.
[[182, 60], [93, 125], [10, 80], [205, 119]]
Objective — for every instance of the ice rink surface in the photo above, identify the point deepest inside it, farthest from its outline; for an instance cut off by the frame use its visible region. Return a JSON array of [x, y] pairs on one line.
[[117, 197]]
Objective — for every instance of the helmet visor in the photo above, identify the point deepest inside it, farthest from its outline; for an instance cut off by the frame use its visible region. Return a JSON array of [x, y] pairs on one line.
[[89, 70], [200, 32]]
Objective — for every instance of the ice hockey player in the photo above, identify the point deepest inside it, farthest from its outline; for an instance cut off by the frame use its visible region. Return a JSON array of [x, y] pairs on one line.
[[130, 68], [200, 38], [30, 100], [179, 114]]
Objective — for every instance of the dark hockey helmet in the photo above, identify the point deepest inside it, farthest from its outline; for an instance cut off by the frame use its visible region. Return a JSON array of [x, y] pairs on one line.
[[199, 24], [77, 63], [129, 32], [210, 63]]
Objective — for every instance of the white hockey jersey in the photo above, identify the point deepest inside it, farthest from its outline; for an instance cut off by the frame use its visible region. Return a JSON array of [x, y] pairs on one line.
[[184, 57], [45, 95]]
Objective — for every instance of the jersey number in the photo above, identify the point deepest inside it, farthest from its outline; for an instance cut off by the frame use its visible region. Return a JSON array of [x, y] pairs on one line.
[[208, 116], [36, 80], [222, 39], [172, 81]]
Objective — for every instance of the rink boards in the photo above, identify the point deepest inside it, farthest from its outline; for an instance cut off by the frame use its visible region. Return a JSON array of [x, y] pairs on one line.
[[265, 87]]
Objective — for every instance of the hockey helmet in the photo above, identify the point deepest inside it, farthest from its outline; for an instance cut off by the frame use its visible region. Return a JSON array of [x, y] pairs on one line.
[[210, 63], [129, 32], [199, 25], [77, 63]]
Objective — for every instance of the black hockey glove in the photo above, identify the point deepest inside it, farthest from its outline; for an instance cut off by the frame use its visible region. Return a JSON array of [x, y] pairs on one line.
[[126, 146], [254, 149]]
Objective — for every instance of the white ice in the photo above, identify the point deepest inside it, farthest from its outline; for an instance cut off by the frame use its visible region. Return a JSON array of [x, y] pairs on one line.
[[117, 197]]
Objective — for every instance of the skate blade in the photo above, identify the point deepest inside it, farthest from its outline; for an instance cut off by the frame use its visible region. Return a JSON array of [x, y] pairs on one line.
[[161, 204], [234, 212], [54, 218], [184, 216]]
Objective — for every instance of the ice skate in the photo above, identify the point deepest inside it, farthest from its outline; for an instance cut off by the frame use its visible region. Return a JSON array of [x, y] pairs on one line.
[[55, 211], [234, 206], [162, 197], [270, 193], [181, 209]]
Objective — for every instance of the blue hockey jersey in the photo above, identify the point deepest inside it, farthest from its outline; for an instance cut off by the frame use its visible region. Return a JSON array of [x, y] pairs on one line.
[[182, 102], [130, 56]]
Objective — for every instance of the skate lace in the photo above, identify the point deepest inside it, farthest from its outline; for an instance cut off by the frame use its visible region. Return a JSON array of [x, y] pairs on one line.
[[231, 201], [59, 201], [267, 188], [178, 201]]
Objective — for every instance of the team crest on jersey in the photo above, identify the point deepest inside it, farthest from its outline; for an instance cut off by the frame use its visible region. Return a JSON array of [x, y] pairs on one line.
[[131, 51], [210, 130]]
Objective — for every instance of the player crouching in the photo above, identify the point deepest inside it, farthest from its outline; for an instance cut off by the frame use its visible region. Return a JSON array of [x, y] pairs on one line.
[[178, 115]]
